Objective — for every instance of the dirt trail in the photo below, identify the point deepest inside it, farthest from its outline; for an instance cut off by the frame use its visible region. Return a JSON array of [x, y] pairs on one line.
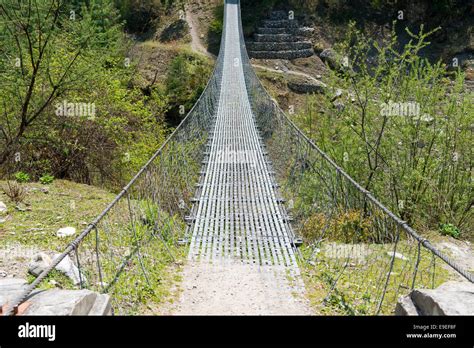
[[239, 289], [196, 43]]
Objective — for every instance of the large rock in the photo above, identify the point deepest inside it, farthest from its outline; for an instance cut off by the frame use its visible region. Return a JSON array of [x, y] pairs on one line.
[[331, 57], [405, 306], [62, 302], [39, 263], [68, 267], [55, 302], [397, 255], [10, 288], [451, 298]]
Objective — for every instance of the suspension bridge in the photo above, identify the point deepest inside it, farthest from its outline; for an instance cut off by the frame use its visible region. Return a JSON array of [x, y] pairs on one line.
[[238, 182]]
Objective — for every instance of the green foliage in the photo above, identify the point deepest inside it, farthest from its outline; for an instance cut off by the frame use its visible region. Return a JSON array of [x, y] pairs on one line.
[[418, 161], [22, 177], [217, 23], [46, 179], [88, 56], [55, 279], [449, 230], [186, 80]]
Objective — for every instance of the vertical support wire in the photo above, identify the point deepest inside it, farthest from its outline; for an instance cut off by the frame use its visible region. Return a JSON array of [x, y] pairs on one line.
[[418, 258], [97, 252], [387, 281]]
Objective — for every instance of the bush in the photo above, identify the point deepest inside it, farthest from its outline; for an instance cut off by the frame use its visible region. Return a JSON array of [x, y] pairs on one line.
[[15, 192], [405, 132], [46, 179], [449, 230], [22, 177], [217, 24], [185, 82]]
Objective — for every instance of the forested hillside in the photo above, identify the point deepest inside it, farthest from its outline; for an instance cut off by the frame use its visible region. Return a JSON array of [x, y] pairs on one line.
[[76, 103]]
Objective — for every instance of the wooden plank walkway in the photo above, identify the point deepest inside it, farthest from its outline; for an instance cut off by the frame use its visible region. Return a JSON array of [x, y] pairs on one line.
[[238, 215]]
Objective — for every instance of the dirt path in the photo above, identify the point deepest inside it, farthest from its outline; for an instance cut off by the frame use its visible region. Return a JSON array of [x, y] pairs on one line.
[[239, 289], [196, 43]]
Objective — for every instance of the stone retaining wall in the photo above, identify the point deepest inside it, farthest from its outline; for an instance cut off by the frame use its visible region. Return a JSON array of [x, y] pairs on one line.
[[280, 38]]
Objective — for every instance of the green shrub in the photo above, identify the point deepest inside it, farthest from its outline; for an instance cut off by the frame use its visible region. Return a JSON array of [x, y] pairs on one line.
[[399, 135], [449, 230], [22, 177], [46, 179], [217, 24]]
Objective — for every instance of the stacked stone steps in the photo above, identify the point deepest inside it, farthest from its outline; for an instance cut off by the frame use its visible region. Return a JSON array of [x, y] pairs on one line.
[[277, 38], [289, 55], [285, 23], [293, 31], [280, 38], [279, 46]]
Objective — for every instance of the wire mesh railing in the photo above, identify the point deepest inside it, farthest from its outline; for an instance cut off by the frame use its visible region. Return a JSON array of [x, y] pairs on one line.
[[362, 254]]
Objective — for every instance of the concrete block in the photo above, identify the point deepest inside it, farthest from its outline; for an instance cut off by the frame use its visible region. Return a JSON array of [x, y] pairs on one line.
[[102, 305], [62, 302]]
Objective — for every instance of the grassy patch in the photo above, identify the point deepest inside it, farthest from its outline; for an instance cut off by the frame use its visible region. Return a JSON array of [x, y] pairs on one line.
[[145, 280], [46, 209], [353, 283]]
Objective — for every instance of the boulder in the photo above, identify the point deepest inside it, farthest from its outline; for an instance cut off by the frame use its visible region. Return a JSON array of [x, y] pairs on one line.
[[331, 57], [405, 306], [39, 263], [55, 301], [68, 267], [62, 302], [451, 298], [10, 288], [66, 231]]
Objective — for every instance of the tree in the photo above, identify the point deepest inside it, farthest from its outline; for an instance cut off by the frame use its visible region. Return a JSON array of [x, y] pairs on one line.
[[32, 75]]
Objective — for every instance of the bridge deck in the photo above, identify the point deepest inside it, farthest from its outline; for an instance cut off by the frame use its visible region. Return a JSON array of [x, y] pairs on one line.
[[239, 215]]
